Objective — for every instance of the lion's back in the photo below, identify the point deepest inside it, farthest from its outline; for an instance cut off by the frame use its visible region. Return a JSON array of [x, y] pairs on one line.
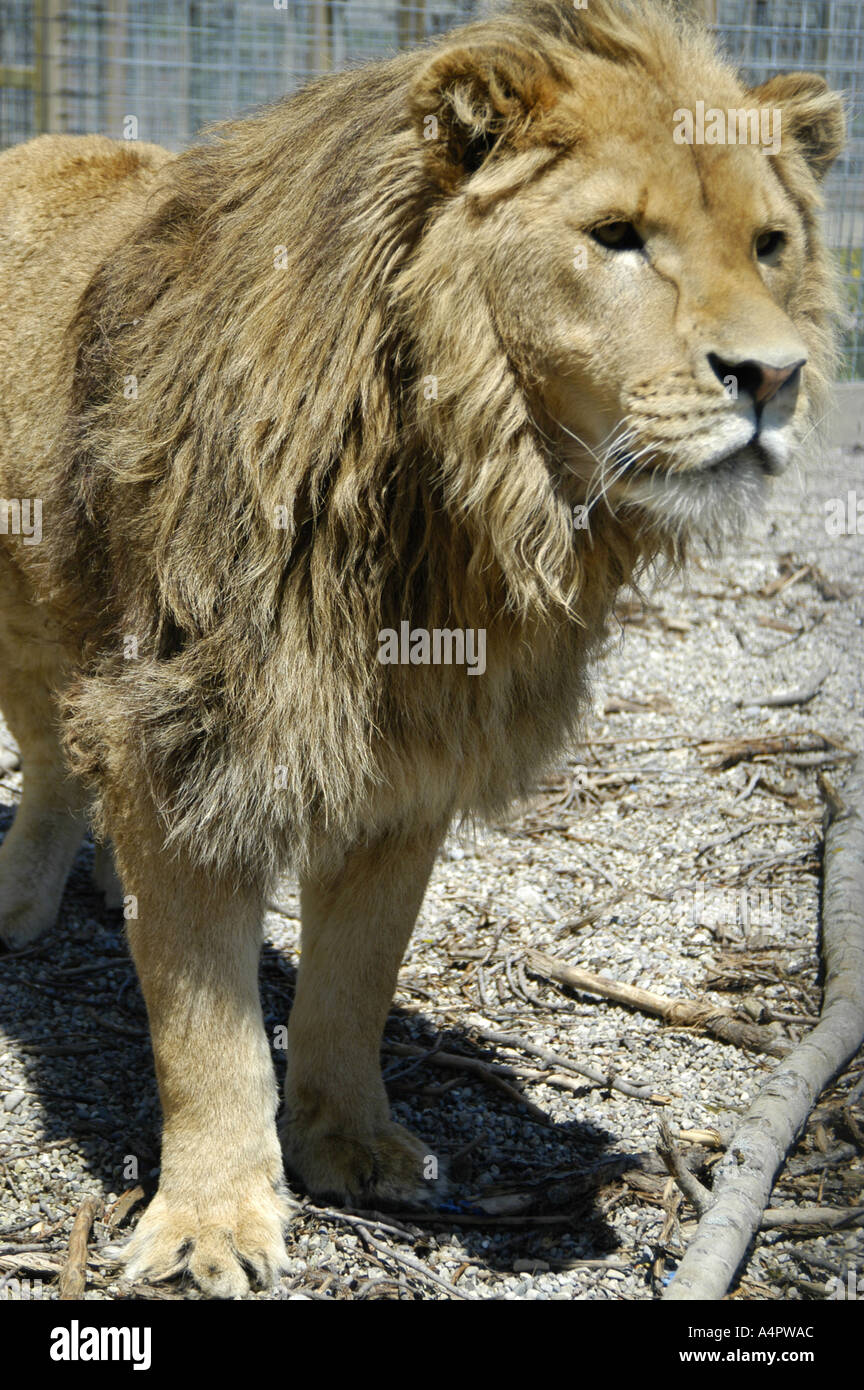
[[65, 202]]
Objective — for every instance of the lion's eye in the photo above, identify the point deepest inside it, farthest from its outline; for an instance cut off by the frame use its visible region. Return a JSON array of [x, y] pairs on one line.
[[769, 242], [618, 236]]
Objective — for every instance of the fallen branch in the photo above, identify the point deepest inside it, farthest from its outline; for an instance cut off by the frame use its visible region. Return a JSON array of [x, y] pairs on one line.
[[72, 1276], [783, 581], [496, 1073], [33, 1260], [552, 1059], [735, 750], [778, 699], [702, 1199], [416, 1266], [473, 1066], [745, 1176], [124, 1204], [832, 1218], [684, 1013], [698, 1196]]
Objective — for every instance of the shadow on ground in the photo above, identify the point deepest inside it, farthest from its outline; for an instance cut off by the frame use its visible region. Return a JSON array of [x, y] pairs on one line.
[[72, 1005]]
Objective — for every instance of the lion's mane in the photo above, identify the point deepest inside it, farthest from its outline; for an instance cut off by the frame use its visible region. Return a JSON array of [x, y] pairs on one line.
[[261, 347]]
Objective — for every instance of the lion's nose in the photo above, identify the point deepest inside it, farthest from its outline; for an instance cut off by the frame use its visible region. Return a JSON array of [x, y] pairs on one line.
[[759, 379]]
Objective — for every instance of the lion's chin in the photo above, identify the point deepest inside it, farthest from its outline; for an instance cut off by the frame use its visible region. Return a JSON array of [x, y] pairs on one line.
[[712, 504]]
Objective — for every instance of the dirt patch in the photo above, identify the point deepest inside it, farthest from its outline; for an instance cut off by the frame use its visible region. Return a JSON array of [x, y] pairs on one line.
[[678, 850]]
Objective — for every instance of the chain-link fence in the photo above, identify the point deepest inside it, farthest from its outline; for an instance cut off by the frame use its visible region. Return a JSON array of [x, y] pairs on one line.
[[160, 70]]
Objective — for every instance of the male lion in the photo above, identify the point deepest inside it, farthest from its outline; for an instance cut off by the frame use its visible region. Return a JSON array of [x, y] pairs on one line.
[[459, 340]]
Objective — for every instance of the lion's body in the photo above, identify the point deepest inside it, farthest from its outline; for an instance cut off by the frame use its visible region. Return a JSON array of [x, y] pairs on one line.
[[277, 395], [178, 470]]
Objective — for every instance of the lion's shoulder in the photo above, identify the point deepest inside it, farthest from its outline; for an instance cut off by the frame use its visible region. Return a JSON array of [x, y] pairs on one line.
[[55, 175], [89, 157]]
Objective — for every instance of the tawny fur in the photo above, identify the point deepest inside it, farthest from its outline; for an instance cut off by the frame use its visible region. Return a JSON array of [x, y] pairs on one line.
[[214, 391], [277, 394]]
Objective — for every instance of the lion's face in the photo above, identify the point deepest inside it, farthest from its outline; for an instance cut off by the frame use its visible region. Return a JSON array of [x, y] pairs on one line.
[[661, 281], [657, 297]]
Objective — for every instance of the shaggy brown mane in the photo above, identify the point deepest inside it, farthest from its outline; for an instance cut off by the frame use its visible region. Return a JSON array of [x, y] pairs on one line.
[[258, 350]]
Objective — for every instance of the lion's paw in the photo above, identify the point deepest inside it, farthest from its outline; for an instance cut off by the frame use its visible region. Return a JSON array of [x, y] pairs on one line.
[[390, 1166], [225, 1248], [24, 916]]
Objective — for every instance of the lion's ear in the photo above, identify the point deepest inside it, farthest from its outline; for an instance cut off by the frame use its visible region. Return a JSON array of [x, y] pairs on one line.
[[812, 115], [474, 101]]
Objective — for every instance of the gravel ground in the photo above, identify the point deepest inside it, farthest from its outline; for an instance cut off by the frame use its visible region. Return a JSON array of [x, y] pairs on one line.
[[675, 850]]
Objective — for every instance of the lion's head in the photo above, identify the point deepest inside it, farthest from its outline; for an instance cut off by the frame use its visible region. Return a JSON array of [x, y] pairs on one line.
[[639, 230]]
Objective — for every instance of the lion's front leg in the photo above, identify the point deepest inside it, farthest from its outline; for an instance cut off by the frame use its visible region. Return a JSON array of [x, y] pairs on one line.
[[336, 1129], [221, 1206]]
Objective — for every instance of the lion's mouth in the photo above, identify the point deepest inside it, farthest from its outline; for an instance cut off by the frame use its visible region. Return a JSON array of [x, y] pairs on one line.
[[706, 486], [722, 467], [717, 499]]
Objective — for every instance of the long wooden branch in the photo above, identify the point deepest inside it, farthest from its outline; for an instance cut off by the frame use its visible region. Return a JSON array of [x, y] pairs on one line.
[[745, 1176]]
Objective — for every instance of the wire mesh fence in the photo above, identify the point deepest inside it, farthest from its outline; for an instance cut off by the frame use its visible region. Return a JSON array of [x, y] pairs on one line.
[[82, 65], [161, 70], [825, 36]]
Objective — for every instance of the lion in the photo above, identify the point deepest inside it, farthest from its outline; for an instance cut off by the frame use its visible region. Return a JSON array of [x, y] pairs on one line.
[[457, 342]]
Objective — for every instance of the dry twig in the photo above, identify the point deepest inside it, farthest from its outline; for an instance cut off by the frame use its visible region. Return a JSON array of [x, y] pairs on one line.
[[778, 699], [833, 1218], [72, 1275], [683, 1013], [698, 1196], [553, 1059], [473, 1066]]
